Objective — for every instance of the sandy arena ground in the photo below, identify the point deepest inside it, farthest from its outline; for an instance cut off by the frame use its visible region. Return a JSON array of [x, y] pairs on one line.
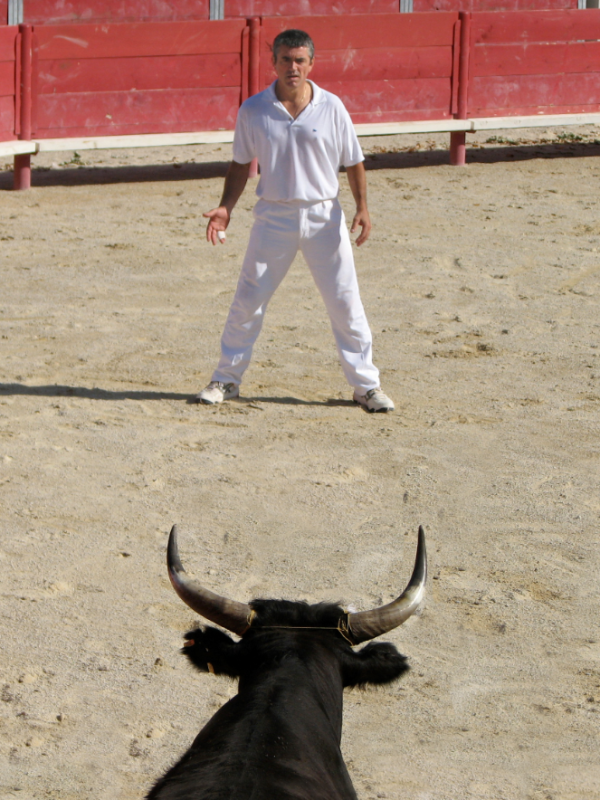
[[482, 288]]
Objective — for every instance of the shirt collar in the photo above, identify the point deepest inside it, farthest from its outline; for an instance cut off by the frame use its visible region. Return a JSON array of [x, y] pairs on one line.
[[317, 98]]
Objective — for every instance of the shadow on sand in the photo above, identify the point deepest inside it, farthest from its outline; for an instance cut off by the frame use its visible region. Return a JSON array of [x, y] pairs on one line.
[[59, 390], [103, 175], [482, 155]]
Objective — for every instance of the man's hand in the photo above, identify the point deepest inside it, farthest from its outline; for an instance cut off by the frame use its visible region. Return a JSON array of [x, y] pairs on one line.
[[235, 181], [361, 220], [357, 178], [219, 220]]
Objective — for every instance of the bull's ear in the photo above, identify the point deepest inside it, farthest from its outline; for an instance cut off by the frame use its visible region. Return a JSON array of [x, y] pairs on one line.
[[376, 663], [211, 650]]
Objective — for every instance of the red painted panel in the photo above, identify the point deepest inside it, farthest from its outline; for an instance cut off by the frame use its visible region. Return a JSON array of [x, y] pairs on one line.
[[7, 119], [7, 42], [419, 115], [279, 8], [383, 68], [58, 11], [372, 64], [535, 62], [136, 40], [362, 31], [492, 5], [535, 59], [7, 78], [375, 64], [118, 113], [544, 92], [402, 99], [136, 74], [536, 26]]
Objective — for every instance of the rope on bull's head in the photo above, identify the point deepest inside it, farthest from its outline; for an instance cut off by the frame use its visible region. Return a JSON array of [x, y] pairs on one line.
[[342, 627]]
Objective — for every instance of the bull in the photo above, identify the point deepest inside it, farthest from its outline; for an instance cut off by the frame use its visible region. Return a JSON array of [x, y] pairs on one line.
[[279, 737]]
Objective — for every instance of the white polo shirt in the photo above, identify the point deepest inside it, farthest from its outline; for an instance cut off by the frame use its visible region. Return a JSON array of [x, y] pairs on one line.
[[299, 158]]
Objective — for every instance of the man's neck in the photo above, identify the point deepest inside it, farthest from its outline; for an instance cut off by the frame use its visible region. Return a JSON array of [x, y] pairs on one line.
[[294, 99]]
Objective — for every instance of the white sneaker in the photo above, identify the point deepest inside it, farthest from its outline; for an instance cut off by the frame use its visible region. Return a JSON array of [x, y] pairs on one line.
[[216, 392], [374, 400]]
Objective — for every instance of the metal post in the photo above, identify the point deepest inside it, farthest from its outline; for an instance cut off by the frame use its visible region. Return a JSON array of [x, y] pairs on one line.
[[217, 9], [15, 12], [22, 163]]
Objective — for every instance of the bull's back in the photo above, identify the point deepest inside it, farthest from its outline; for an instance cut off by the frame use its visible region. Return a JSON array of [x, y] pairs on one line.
[[277, 740]]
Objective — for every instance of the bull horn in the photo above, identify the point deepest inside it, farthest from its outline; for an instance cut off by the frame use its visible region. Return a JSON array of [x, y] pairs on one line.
[[228, 614], [366, 625]]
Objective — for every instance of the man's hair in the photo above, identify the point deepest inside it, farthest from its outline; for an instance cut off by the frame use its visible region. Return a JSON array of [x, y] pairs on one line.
[[293, 38]]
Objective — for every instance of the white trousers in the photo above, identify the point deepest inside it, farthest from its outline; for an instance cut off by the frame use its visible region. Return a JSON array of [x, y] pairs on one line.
[[279, 231]]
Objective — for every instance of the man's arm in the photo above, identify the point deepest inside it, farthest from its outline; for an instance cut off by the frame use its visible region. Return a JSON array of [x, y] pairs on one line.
[[357, 178], [235, 182]]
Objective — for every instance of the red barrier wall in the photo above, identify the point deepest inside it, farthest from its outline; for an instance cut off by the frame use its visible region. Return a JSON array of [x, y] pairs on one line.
[[9, 92], [103, 80], [109, 80], [53, 12], [384, 67], [305, 8], [544, 62]]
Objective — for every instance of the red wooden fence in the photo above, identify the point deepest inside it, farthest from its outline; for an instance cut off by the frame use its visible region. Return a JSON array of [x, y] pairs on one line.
[[534, 62], [10, 94], [51, 12], [93, 80], [108, 80], [385, 68], [88, 80]]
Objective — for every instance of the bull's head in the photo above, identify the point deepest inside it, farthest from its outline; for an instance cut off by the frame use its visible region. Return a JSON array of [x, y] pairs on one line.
[[355, 627]]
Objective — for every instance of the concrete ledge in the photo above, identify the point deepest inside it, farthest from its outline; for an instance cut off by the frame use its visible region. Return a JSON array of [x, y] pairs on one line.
[[538, 121], [138, 140], [17, 148], [427, 126]]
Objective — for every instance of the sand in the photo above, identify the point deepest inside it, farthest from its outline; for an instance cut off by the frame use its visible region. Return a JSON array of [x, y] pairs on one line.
[[482, 289]]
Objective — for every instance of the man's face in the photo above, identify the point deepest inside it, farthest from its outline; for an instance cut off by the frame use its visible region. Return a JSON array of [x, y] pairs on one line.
[[292, 65]]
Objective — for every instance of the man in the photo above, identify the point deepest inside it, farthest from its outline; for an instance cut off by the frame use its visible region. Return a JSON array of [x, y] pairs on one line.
[[301, 136]]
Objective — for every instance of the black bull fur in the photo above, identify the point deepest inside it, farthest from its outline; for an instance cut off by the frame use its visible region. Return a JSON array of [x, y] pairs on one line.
[[279, 737]]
